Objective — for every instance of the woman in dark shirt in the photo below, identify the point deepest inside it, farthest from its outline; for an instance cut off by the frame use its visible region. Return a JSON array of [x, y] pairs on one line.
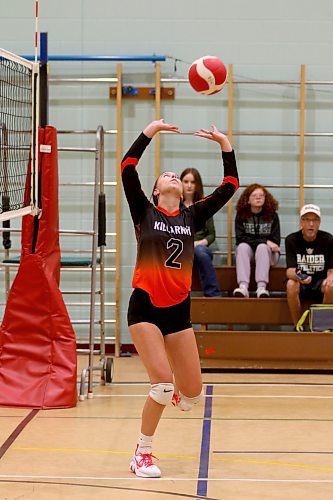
[[258, 238], [203, 256]]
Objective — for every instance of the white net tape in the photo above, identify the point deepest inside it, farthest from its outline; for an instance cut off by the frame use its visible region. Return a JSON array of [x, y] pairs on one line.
[[18, 135]]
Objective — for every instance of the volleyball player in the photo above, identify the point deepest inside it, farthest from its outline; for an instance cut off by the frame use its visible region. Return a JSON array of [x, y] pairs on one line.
[[159, 307]]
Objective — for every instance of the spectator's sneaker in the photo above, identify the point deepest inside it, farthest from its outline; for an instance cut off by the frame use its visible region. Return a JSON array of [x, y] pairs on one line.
[[262, 293], [241, 292], [142, 465]]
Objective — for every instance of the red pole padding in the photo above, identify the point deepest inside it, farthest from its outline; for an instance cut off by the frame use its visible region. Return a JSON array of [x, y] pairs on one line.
[[37, 342]]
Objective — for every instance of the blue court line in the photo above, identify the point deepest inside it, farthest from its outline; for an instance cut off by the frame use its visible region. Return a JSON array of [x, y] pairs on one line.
[[205, 444]]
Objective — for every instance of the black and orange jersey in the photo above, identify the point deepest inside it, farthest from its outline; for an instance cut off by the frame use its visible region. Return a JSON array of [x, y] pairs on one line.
[[166, 240]]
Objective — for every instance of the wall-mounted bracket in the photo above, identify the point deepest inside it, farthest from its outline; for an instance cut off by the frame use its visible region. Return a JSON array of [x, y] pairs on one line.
[[132, 92]]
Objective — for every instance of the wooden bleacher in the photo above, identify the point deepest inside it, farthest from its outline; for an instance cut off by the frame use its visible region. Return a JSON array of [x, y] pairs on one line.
[[227, 279], [251, 333]]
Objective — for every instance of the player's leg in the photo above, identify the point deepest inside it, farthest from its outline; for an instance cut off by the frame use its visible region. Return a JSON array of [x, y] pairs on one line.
[[149, 343], [184, 358]]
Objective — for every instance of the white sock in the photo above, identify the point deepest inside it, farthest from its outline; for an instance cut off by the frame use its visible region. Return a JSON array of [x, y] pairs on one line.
[[144, 443], [242, 284], [261, 284]]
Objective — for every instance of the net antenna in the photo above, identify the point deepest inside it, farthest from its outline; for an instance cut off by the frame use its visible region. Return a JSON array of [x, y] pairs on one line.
[[36, 31], [19, 119]]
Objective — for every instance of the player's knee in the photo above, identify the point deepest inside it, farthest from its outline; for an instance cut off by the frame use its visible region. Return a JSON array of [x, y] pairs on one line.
[[162, 393], [186, 404]]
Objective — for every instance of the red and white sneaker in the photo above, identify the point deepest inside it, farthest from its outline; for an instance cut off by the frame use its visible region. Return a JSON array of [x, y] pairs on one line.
[[143, 466], [176, 400], [179, 403]]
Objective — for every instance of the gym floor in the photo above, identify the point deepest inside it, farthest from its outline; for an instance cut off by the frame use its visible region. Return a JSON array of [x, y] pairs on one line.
[[255, 437]]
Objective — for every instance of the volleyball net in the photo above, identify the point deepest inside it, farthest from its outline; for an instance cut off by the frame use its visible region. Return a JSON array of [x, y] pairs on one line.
[[19, 115]]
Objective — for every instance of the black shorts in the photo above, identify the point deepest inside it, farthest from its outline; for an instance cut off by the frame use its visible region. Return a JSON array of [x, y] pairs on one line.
[[168, 319], [312, 291]]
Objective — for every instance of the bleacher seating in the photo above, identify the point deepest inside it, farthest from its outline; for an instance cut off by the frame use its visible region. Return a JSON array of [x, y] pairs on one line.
[[254, 333], [227, 279], [230, 310]]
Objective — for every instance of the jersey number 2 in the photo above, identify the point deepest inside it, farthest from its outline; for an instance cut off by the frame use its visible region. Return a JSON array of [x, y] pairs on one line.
[[178, 245]]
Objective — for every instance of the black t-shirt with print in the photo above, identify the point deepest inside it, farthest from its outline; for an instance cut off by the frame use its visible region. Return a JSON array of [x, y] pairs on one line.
[[311, 257], [256, 230]]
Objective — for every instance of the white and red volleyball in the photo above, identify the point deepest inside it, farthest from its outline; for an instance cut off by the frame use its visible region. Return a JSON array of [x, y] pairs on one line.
[[207, 75]]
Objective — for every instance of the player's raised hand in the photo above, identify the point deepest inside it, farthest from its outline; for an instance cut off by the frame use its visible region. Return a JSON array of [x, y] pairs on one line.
[[215, 135], [159, 126]]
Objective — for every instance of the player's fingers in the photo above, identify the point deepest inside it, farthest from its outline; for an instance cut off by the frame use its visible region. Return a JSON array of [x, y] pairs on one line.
[[173, 128], [169, 127], [204, 131], [202, 134]]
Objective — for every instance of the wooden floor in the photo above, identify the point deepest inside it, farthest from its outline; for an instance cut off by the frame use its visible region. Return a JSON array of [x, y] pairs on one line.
[[255, 437]]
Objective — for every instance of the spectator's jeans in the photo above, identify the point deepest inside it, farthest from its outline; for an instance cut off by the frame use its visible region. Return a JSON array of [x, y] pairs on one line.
[[203, 259], [263, 258]]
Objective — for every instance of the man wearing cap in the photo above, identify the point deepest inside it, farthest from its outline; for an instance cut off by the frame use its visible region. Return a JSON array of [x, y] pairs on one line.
[[309, 258]]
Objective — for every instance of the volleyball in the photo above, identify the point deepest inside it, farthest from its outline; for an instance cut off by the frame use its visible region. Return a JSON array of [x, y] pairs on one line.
[[207, 75]]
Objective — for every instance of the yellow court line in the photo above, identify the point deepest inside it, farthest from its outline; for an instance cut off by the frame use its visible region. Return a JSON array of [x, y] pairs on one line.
[[69, 450], [82, 450], [267, 462], [172, 455]]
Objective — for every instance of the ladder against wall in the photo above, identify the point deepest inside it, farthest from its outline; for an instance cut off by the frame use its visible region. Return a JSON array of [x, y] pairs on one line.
[[83, 266], [93, 300], [109, 312]]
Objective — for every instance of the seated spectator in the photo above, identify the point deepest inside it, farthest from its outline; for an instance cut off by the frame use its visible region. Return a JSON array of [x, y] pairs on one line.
[[203, 256], [257, 228], [309, 259]]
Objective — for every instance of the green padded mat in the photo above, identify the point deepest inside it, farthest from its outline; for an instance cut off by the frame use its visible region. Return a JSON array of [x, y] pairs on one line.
[[65, 261]]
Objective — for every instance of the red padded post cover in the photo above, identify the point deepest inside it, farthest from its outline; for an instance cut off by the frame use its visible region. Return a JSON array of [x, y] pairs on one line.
[[37, 341]]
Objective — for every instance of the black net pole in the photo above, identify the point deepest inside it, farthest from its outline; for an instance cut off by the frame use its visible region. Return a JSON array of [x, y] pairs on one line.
[[43, 121], [6, 242], [101, 220]]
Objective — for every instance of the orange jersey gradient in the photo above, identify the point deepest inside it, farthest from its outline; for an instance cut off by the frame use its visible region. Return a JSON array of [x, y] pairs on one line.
[[165, 241]]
